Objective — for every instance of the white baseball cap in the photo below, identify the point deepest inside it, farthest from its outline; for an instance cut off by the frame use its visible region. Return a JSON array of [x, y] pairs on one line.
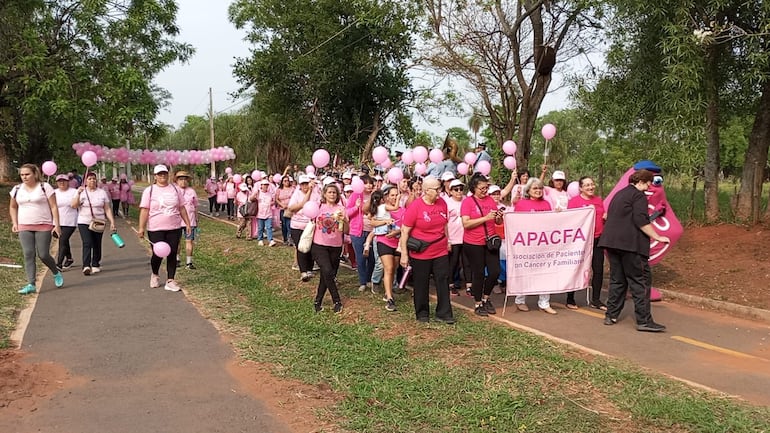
[[347, 175], [243, 187], [327, 180], [160, 168], [493, 189], [448, 175], [348, 188], [558, 175], [303, 179], [456, 182]]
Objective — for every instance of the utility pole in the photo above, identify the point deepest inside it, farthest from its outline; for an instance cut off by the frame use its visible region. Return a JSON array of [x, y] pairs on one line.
[[211, 131]]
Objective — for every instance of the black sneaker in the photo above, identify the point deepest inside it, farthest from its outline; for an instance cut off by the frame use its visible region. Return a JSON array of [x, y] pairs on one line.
[[453, 290], [446, 320], [481, 311], [338, 307], [489, 307], [390, 305], [423, 319], [318, 307], [650, 327], [190, 266], [67, 264], [609, 321]]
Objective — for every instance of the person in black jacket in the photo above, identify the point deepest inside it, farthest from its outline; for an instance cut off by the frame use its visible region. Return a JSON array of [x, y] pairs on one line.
[[626, 238]]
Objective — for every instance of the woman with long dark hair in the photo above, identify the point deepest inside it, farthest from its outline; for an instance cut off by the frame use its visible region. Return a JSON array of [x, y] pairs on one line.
[[282, 196]]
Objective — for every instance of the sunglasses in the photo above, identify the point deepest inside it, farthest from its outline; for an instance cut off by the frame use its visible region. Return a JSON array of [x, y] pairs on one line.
[[457, 188]]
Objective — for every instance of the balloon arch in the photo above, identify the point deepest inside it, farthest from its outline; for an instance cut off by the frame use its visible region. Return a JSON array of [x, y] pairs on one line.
[[146, 156]]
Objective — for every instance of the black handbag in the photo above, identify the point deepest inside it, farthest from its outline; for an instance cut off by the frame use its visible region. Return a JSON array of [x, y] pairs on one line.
[[418, 245], [493, 242]]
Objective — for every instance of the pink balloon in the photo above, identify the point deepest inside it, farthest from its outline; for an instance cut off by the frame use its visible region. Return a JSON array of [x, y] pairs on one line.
[[395, 175], [407, 157], [228, 170], [483, 167], [420, 154], [310, 169], [161, 249], [256, 175], [321, 158], [510, 162], [380, 154], [358, 185], [311, 209], [509, 147], [237, 178], [419, 168], [277, 178], [386, 163], [573, 189], [548, 131], [462, 168], [470, 158], [436, 156], [89, 158], [49, 168]]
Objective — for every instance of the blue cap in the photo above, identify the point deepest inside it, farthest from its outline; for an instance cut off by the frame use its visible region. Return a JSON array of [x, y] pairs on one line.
[[646, 164]]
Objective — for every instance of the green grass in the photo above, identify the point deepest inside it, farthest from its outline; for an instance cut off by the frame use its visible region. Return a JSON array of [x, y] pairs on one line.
[[11, 279], [399, 376]]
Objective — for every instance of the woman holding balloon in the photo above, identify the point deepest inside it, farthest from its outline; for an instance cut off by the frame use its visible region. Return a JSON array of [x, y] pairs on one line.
[[360, 227], [304, 206], [161, 213]]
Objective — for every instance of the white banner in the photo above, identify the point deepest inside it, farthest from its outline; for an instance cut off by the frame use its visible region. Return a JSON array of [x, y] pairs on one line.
[[548, 252]]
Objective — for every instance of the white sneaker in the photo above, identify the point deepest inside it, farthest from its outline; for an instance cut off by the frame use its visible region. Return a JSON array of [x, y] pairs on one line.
[[95, 269], [87, 270], [172, 286], [261, 244], [154, 281], [272, 243]]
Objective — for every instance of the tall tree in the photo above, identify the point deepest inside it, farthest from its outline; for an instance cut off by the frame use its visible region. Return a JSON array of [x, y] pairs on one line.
[[506, 50]]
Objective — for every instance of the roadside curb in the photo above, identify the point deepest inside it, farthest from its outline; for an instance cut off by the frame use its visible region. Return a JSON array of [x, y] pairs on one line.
[[742, 311]]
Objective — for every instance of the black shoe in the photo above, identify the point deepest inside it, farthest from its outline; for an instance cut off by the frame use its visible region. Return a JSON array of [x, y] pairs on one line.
[[651, 327], [423, 319], [390, 305], [489, 307], [481, 311], [190, 266], [609, 320], [453, 291], [447, 320], [67, 264], [318, 307], [338, 307]]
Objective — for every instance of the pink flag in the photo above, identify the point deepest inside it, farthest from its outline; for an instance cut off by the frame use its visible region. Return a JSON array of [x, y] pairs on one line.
[[548, 252]]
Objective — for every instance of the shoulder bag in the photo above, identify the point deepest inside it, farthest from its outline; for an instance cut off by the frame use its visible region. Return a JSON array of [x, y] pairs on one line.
[[493, 242], [96, 225]]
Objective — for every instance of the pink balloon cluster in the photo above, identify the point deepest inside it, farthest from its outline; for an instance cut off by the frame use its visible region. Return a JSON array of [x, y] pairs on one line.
[[146, 156]]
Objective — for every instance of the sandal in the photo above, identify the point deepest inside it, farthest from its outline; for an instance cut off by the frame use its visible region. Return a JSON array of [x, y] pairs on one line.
[[572, 306], [598, 305]]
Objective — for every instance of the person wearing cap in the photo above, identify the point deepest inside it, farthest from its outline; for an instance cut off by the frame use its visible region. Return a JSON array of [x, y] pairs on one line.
[[221, 197], [626, 239], [426, 220], [126, 195], [68, 220], [306, 193], [482, 154], [534, 201], [282, 196], [241, 198], [446, 179], [455, 232], [347, 178], [479, 214], [113, 189], [211, 193], [93, 203], [556, 191], [264, 219], [161, 213], [190, 201], [231, 190]]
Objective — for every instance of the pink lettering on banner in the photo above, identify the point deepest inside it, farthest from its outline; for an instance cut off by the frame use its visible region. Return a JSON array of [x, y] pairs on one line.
[[548, 252]]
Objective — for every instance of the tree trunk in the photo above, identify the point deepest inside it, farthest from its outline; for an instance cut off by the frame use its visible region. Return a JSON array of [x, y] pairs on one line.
[[376, 128], [747, 208], [711, 166], [6, 174]]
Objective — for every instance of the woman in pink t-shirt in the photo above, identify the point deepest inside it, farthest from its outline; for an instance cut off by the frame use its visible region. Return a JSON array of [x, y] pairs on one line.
[[302, 195], [282, 196], [587, 197], [479, 214], [330, 226], [126, 196], [92, 203], [35, 217], [455, 227], [161, 213], [264, 218], [426, 220], [534, 201]]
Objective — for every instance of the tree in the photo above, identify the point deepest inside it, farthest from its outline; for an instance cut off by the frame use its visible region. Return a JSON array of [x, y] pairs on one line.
[[337, 68], [475, 122], [80, 70], [506, 51]]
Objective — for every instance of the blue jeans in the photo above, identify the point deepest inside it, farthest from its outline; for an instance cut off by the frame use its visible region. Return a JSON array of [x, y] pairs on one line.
[[262, 225], [365, 265], [285, 222]]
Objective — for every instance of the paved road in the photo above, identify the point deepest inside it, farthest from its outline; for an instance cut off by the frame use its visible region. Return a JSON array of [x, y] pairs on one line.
[[143, 359]]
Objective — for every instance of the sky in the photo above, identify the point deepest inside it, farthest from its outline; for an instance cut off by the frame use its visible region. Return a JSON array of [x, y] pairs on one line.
[[205, 26]]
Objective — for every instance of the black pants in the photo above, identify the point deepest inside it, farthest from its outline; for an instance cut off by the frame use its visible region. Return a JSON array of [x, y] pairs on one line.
[[304, 260], [171, 237], [213, 204], [328, 259], [455, 261], [421, 272], [231, 207], [65, 252], [627, 272], [597, 276], [479, 257], [92, 246], [115, 206]]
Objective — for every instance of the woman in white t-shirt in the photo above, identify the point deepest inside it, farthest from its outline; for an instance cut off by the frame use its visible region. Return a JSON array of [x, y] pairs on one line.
[[68, 219], [93, 203], [35, 216], [161, 213]]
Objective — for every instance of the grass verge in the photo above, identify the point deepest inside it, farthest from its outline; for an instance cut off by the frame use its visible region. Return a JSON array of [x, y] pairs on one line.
[[400, 376], [11, 279]]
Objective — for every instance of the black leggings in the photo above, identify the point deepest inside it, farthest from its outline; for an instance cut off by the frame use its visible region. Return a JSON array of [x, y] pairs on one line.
[[479, 257], [328, 259], [213, 204], [230, 207], [304, 260], [171, 237], [65, 252], [115, 206]]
